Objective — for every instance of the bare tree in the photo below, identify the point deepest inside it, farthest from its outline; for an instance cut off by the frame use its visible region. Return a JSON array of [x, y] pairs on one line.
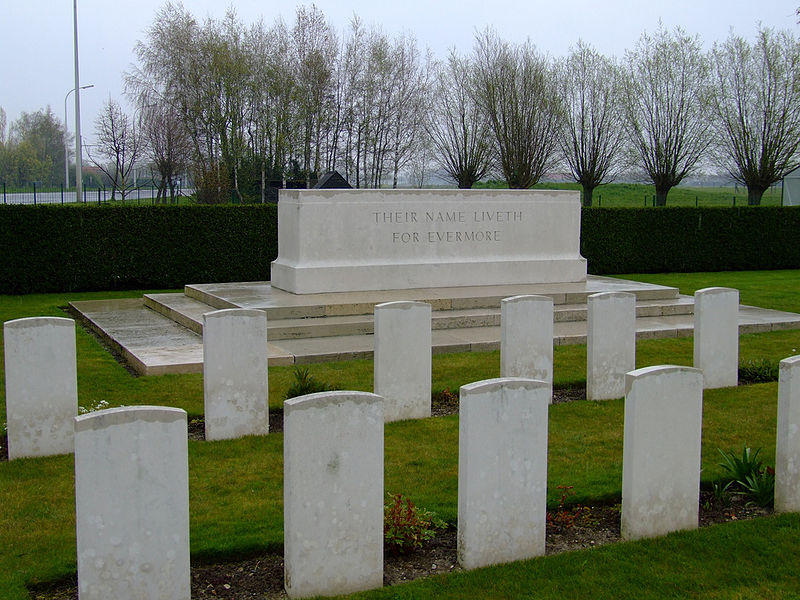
[[118, 147], [756, 104], [665, 103], [315, 49], [410, 99], [168, 146], [457, 126], [516, 89], [592, 137]]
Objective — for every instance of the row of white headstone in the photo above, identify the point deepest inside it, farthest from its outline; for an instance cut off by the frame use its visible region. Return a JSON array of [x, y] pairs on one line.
[[40, 407], [132, 503], [131, 466]]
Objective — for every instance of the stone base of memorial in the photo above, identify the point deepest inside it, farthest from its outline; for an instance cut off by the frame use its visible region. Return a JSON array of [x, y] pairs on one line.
[[354, 240]]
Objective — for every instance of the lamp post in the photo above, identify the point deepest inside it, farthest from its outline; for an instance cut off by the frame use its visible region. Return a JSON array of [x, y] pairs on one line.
[[66, 148], [78, 147]]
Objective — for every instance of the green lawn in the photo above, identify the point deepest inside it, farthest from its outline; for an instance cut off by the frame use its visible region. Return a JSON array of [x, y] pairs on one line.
[[236, 486]]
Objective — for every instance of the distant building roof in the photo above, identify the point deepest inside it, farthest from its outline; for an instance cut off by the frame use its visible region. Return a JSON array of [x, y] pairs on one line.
[[332, 180]]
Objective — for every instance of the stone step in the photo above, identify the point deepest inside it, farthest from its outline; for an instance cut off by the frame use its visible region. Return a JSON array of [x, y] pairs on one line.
[[151, 343], [180, 308], [282, 305], [188, 312]]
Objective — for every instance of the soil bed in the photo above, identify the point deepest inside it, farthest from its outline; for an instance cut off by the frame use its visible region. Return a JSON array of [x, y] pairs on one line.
[[262, 576]]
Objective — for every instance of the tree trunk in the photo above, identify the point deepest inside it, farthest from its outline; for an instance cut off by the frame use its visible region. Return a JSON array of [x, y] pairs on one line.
[[588, 192], [465, 182], [661, 196], [263, 182], [236, 183], [754, 195]]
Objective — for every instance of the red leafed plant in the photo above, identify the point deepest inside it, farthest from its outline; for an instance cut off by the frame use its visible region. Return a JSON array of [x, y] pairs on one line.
[[564, 517], [406, 526]]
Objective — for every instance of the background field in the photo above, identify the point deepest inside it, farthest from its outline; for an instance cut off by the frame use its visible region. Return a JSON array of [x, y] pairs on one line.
[[634, 195]]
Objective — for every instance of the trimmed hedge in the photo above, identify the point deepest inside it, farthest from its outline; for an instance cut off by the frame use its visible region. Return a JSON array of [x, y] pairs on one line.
[[686, 239], [84, 248]]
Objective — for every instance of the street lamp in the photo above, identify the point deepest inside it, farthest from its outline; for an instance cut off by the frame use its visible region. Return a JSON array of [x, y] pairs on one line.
[[66, 129], [77, 88]]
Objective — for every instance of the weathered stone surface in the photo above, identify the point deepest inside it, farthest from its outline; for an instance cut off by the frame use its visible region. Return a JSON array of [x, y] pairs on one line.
[[132, 504], [716, 336], [41, 385], [502, 471], [402, 363], [661, 454], [787, 454], [355, 240], [610, 344], [526, 339], [333, 493], [235, 380]]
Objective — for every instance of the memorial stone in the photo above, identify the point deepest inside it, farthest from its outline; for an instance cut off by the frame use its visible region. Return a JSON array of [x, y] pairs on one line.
[[235, 379], [502, 471], [610, 344], [402, 360], [132, 504], [716, 336], [41, 385], [333, 493], [661, 451], [356, 240]]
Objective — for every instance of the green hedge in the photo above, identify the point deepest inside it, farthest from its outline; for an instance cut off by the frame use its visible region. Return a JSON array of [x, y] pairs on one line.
[[84, 248], [686, 239], [72, 248]]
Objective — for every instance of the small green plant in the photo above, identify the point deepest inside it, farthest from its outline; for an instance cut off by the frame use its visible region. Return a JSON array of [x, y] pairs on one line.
[[760, 488], [739, 469], [305, 383], [406, 527], [721, 492], [748, 478], [758, 371]]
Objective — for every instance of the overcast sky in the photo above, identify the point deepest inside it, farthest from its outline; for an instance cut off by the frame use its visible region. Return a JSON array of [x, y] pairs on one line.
[[36, 36]]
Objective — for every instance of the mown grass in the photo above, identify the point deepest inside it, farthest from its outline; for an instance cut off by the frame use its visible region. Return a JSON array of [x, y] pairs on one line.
[[745, 561], [236, 486], [635, 195]]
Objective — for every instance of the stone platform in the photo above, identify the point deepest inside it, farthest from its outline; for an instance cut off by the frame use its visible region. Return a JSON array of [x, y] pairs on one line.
[[162, 333]]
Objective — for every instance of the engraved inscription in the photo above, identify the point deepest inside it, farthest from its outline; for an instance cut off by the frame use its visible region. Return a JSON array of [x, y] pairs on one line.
[[475, 226]]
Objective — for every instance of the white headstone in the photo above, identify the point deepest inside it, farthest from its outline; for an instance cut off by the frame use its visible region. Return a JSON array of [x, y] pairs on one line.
[[402, 360], [526, 338], [787, 454], [502, 471], [132, 504], [716, 336], [610, 344], [41, 385], [333, 493], [235, 380], [661, 451]]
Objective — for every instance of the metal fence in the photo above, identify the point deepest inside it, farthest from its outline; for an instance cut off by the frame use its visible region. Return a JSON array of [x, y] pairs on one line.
[[100, 195]]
